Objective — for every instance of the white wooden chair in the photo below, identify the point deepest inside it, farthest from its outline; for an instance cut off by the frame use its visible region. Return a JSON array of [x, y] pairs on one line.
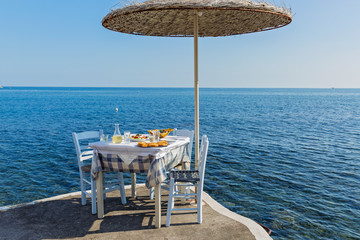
[[84, 154], [188, 178], [184, 133]]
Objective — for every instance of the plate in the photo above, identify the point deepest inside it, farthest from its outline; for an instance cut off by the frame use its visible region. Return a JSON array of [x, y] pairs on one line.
[[138, 137]]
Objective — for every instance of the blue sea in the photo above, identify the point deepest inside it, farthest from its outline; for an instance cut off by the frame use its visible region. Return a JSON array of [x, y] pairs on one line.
[[286, 158]]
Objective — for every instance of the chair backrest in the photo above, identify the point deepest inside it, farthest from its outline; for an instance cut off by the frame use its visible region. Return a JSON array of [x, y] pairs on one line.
[[189, 134], [83, 152], [203, 155]]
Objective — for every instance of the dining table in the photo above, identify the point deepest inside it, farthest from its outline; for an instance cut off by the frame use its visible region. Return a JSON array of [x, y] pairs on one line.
[[131, 158]]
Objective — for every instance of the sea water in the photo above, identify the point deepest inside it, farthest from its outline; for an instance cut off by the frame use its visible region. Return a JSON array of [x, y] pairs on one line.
[[286, 158]]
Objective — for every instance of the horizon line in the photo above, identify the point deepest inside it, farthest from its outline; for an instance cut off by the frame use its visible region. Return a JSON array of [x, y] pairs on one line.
[[186, 87]]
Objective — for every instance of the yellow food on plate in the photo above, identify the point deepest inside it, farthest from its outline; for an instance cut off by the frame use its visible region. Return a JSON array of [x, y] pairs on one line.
[[142, 144], [153, 145], [163, 132], [163, 143]]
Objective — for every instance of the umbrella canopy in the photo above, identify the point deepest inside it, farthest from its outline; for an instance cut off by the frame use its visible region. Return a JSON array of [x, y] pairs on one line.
[[174, 18], [193, 18]]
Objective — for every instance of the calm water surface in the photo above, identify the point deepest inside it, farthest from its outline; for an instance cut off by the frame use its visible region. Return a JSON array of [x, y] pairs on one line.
[[287, 158]]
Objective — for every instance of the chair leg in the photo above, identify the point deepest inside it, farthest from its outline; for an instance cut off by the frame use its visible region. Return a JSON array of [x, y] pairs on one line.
[[199, 203], [83, 189], [187, 191], [122, 187], [170, 202], [104, 186], [93, 196], [151, 194]]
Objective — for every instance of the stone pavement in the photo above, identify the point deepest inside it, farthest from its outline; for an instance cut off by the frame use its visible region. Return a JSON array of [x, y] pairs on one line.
[[64, 217]]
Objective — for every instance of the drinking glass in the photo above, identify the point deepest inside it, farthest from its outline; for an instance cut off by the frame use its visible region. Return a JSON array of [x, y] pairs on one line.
[[157, 136], [104, 137], [127, 136]]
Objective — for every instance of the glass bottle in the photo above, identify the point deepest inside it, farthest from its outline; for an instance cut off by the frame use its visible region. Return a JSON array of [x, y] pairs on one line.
[[117, 138]]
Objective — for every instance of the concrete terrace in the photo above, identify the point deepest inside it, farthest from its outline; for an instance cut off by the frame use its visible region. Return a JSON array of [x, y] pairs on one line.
[[63, 217]]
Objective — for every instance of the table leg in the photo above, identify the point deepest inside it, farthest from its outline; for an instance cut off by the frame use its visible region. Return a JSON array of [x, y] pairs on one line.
[[157, 206], [133, 185], [100, 195]]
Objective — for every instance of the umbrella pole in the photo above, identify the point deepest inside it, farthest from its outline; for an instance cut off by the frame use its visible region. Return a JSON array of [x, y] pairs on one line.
[[196, 88]]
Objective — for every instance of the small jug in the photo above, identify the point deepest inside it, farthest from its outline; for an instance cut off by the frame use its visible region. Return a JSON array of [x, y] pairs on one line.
[[117, 138]]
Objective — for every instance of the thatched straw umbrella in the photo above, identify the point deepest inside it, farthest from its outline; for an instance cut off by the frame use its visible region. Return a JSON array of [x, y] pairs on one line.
[[193, 18]]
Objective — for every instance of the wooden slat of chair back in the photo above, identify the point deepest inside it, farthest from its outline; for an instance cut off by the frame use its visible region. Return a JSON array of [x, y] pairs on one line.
[[84, 158], [89, 135]]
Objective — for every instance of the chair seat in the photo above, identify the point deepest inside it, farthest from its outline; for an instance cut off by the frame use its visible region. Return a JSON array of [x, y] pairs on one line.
[[185, 175]]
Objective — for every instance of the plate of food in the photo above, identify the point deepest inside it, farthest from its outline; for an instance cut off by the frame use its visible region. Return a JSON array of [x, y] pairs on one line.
[[138, 137]]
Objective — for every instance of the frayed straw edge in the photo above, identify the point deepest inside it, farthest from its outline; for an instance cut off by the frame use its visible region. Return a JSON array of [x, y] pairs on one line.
[[265, 3]]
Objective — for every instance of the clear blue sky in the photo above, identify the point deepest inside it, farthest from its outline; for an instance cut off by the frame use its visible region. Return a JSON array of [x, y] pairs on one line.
[[62, 43]]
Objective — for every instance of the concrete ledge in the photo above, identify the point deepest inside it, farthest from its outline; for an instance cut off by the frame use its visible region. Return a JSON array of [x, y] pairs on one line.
[[254, 227]]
